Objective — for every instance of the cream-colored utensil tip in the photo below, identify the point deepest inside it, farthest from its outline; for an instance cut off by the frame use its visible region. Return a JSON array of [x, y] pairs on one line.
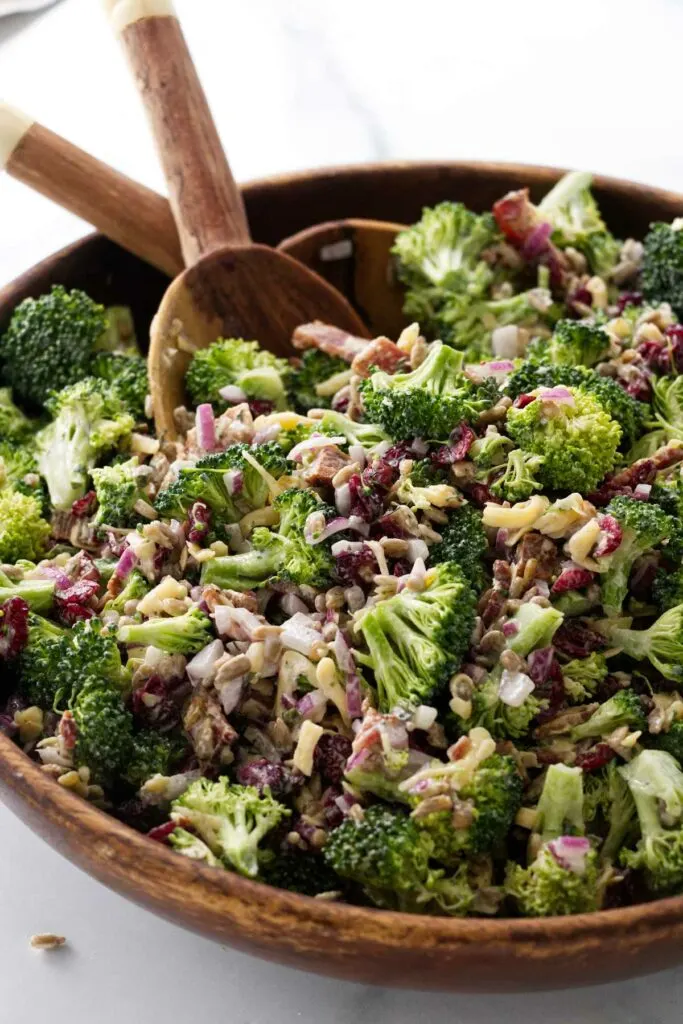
[[13, 126], [124, 12]]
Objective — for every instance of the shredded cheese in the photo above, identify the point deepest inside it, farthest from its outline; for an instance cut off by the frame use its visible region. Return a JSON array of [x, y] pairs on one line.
[[305, 748]]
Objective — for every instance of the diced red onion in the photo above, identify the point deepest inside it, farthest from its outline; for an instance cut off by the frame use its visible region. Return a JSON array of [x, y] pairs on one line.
[[424, 717], [357, 453], [199, 668], [53, 572], [342, 547], [230, 694], [354, 696], [125, 564], [269, 433], [510, 628], [498, 369], [232, 394], [358, 758], [342, 653], [416, 549], [206, 427], [236, 623], [542, 588], [514, 688], [335, 526], [291, 604], [299, 635], [312, 705], [344, 802], [508, 341], [311, 443], [642, 491], [342, 499], [571, 852], [536, 241], [558, 394]]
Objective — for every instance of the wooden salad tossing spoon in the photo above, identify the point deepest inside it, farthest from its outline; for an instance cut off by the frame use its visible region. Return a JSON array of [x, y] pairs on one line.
[[233, 286]]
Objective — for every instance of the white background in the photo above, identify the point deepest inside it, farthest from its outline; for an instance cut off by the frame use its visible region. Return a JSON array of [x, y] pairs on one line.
[[298, 83]]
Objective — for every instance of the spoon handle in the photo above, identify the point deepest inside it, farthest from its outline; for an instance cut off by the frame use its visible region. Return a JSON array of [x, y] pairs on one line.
[[133, 216], [206, 201]]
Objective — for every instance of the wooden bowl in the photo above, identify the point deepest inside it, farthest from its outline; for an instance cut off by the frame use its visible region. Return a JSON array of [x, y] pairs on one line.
[[348, 942]]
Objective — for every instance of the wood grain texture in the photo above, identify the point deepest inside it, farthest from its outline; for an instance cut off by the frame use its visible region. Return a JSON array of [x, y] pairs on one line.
[[133, 216], [350, 942], [207, 204]]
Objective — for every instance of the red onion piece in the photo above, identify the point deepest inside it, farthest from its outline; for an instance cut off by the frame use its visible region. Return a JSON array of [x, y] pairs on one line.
[[514, 688], [342, 499], [313, 442], [642, 491], [125, 564], [232, 394], [206, 427], [354, 697], [558, 394], [536, 241], [312, 704], [571, 852], [199, 667]]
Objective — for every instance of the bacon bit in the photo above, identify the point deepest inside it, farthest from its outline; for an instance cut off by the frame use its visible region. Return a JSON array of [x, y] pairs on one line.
[[644, 471], [612, 536], [523, 226], [161, 833], [459, 749], [331, 340], [380, 354], [83, 507], [325, 466], [522, 401], [572, 579], [68, 730], [597, 757]]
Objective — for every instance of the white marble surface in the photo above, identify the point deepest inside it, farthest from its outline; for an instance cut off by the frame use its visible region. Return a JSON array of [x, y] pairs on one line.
[[297, 83]]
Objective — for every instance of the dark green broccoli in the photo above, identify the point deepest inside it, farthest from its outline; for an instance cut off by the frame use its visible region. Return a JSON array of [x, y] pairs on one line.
[[519, 478], [624, 708], [14, 425], [489, 712], [656, 783], [671, 741], [574, 343], [17, 460], [135, 588], [445, 248], [492, 794], [662, 276], [667, 588], [571, 209], [305, 873], [231, 819], [644, 526], [576, 438], [582, 676], [661, 644], [50, 342], [88, 421], [630, 414], [463, 541], [128, 375], [290, 554], [417, 639], [240, 364], [620, 814], [38, 593], [428, 402], [118, 489], [181, 634], [316, 368], [23, 531], [491, 450], [151, 754], [232, 483], [104, 731]]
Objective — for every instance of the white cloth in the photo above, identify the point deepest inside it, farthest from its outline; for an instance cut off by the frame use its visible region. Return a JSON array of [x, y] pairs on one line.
[[21, 6]]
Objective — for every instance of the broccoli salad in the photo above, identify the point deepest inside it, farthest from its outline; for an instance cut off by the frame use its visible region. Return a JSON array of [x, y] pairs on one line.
[[396, 622]]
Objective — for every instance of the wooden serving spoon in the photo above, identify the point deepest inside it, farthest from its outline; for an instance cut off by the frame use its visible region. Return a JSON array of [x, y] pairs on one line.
[[232, 287]]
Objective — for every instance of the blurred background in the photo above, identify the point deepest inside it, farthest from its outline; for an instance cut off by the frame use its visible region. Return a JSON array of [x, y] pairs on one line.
[[299, 83], [294, 84]]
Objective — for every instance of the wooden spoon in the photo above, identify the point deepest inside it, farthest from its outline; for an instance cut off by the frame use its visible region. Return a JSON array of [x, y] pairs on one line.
[[133, 216], [233, 286]]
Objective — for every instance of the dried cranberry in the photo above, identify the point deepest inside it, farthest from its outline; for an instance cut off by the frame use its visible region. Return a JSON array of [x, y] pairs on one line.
[[161, 833], [13, 627], [332, 751], [612, 536], [654, 353], [158, 702], [674, 337], [522, 401], [401, 568], [359, 567], [582, 296], [597, 757], [572, 579], [365, 503], [85, 506], [638, 385], [481, 495], [545, 672], [629, 299], [199, 523], [74, 603], [260, 407], [389, 525], [542, 665], [262, 772], [577, 640], [456, 450], [379, 474], [332, 813]]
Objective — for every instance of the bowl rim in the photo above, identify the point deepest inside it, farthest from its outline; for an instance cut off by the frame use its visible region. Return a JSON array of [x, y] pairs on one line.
[[90, 836]]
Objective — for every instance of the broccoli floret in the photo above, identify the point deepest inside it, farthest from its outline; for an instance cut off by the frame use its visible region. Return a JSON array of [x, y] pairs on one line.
[[316, 368], [576, 438], [50, 342], [120, 337], [624, 708], [620, 814], [151, 754], [667, 403], [491, 450], [661, 644], [104, 731], [463, 541], [336, 424], [489, 712], [644, 526], [128, 375], [536, 627], [582, 676], [17, 460], [305, 873], [493, 793], [559, 811], [671, 741], [38, 593], [14, 425], [444, 249], [231, 819], [134, 590], [519, 480], [428, 402], [88, 421], [232, 483], [55, 663], [235, 362], [667, 588], [193, 847], [417, 639], [656, 783], [574, 343], [287, 555], [118, 489], [662, 276], [576, 221], [23, 531], [630, 414], [181, 634]]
